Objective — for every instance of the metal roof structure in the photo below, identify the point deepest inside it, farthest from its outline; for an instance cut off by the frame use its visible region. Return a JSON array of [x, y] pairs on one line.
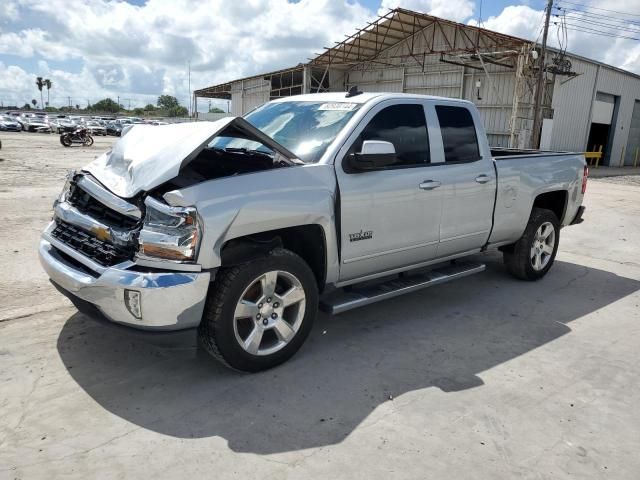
[[403, 26], [461, 46]]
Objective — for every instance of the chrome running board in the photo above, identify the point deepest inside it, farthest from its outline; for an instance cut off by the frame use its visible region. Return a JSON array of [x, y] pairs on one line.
[[356, 296]]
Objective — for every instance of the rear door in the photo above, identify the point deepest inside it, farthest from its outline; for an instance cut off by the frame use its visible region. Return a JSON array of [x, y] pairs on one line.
[[389, 218], [467, 207]]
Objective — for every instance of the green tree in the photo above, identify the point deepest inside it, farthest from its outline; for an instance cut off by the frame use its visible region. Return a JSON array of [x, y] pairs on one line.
[[150, 107], [167, 102], [177, 111], [215, 110], [35, 102], [138, 111], [106, 105], [40, 85], [26, 106], [48, 83]]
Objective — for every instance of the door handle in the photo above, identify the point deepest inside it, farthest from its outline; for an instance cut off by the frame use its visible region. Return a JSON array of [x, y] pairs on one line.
[[483, 178], [429, 184]]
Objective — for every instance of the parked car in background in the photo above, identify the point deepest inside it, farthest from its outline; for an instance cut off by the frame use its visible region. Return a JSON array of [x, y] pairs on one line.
[[16, 116], [95, 128], [9, 124], [34, 123], [114, 128], [62, 124]]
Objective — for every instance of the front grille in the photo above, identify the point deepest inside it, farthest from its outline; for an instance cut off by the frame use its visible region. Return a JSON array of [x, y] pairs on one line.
[[104, 253], [88, 205]]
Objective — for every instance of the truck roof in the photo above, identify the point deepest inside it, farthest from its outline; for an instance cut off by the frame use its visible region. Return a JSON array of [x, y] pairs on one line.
[[361, 97]]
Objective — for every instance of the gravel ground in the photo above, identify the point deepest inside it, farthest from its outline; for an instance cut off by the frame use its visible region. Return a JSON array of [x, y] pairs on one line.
[[633, 180], [32, 171], [486, 377]]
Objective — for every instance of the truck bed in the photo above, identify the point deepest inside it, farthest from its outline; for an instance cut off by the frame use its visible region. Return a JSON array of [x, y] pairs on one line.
[[500, 153], [525, 174]]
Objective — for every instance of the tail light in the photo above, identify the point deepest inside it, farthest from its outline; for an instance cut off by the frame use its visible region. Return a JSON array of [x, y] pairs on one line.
[[585, 176]]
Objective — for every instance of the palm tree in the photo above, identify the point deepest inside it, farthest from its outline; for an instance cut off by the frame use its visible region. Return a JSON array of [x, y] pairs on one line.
[[40, 84], [34, 101], [48, 83]]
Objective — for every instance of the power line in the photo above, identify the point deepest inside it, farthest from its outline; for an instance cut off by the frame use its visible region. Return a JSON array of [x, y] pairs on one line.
[[589, 7], [580, 28], [603, 24], [598, 16]]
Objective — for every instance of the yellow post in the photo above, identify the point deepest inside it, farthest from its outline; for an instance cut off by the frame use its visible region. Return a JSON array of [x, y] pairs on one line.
[[595, 155], [635, 162]]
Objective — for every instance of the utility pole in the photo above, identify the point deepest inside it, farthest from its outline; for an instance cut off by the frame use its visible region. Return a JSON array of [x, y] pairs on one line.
[[118, 102], [537, 102], [69, 101]]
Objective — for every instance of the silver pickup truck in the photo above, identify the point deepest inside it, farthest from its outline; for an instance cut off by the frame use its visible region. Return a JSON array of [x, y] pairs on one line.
[[243, 227]]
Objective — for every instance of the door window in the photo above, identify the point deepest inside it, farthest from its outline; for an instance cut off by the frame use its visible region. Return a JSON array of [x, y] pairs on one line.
[[405, 127], [458, 134]]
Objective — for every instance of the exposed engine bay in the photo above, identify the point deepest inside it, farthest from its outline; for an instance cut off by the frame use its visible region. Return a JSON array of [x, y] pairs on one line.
[[174, 156], [221, 158]]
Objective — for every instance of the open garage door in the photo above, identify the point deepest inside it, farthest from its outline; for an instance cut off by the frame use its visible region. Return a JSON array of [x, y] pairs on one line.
[[601, 120]]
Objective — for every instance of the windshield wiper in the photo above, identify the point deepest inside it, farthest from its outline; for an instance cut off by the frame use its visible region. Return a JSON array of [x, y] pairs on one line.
[[247, 151]]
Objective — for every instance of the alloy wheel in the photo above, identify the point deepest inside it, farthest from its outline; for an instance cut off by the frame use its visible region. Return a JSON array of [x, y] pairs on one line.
[[269, 313], [544, 242]]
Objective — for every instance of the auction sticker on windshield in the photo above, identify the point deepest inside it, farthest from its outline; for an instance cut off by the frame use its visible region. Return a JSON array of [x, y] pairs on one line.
[[347, 107]]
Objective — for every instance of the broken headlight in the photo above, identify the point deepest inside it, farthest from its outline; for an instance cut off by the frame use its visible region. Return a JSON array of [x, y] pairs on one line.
[[66, 190], [169, 233]]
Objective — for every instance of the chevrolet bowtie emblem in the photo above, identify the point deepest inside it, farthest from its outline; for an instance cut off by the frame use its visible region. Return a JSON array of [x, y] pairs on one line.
[[101, 233]]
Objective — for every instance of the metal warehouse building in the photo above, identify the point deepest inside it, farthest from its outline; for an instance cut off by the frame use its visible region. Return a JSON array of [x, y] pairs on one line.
[[586, 105]]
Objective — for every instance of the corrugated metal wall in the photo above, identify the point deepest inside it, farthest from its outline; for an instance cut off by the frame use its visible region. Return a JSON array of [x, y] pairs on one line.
[[249, 94], [494, 99], [628, 89], [570, 99], [573, 104]]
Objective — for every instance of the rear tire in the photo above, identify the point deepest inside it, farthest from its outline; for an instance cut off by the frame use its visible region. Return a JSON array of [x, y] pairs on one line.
[[257, 315], [531, 257]]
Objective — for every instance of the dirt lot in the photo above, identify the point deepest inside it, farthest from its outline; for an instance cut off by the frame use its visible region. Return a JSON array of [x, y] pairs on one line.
[[486, 377]]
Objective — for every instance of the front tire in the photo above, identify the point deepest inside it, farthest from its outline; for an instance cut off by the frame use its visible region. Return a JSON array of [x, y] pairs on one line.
[[89, 141], [531, 257], [258, 314]]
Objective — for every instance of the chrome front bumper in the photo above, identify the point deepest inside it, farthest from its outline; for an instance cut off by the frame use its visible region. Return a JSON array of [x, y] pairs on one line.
[[169, 300]]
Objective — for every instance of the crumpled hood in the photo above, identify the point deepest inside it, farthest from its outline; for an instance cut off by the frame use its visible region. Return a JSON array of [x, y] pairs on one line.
[[149, 155]]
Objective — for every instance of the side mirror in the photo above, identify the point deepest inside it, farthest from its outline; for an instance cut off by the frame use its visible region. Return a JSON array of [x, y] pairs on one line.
[[375, 154]]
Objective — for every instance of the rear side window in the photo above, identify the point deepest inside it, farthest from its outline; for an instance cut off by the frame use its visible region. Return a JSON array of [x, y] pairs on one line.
[[458, 134], [405, 126]]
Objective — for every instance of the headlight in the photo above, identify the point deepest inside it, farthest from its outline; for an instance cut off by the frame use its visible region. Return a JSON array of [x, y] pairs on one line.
[[64, 194], [169, 233]]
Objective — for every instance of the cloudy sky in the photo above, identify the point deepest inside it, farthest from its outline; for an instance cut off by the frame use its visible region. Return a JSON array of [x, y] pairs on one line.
[[138, 49]]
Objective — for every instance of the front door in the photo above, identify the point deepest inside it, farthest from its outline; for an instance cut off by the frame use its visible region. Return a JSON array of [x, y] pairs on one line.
[[390, 218]]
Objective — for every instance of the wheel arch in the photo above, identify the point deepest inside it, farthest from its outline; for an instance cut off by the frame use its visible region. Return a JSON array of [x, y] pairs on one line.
[[308, 241], [556, 201]]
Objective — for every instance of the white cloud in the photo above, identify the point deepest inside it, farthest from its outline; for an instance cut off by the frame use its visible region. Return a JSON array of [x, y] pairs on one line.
[[141, 52], [457, 10], [526, 22], [9, 10]]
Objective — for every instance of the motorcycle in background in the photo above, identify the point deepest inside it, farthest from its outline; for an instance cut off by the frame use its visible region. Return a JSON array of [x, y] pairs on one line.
[[79, 136]]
